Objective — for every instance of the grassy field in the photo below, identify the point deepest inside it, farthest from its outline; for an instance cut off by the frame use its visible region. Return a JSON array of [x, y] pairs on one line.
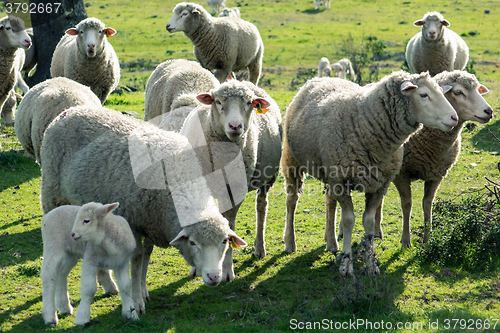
[[277, 292]]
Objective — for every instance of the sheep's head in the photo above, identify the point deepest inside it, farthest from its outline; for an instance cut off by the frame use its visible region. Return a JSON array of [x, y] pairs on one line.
[[233, 103], [89, 220], [204, 245], [13, 34], [90, 36], [433, 25], [186, 17]]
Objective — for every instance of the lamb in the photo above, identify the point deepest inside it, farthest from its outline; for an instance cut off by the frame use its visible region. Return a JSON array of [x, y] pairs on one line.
[[359, 147], [42, 104], [111, 157], [30, 59], [430, 153], [342, 67], [84, 54], [223, 44], [230, 12], [324, 68], [216, 5], [172, 89], [232, 129], [436, 48], [102, 239], [317, 4], [13, 40], [9, 108]]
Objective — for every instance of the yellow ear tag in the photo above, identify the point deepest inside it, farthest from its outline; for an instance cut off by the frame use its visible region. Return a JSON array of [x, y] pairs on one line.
[[108, 34], [260, 110], [233, 243]]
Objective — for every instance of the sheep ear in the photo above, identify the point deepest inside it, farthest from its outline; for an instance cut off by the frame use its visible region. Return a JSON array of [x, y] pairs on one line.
[[418, 23], [181, 237], [263, 103], [445, 23], [446, 88], [205, 98], [109, 32], [111, 207], [482, 89], [408, 86], [235, 240], [72, 32]]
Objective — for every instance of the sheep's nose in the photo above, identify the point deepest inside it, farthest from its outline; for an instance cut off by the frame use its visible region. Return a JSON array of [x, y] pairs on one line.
[[91, 45], [168, 27], [235, 126], [454, 118], [73, 234], [488, 111]]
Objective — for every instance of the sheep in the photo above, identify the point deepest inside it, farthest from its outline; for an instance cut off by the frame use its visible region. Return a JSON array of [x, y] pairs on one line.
[[359, 147], [9, 108], [84, 54], [13, 40], [228, 117], [230, 12], [436, 48], [109, 157], [102, 239], [216, 5], [324, 68], [30, 58], [342, 67], [42, 104], [172, 89], [317, 4], [430, 153], [221, 44]]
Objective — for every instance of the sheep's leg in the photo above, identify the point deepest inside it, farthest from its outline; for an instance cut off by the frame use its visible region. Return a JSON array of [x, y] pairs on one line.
[[87, 292], [146, 255], [331, 214], [430, 189], [136, 272], [261, 204], [379, 216], [125, 286], [403, 185], [347, 220], [227, 265], [222, 75], [373, 202], [255, 67], [62, 296], [106, 281]]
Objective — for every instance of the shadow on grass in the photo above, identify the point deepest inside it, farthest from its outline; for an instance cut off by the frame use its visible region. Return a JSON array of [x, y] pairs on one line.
[[16, 168], [312, 11], [483, 138], [20, 247]]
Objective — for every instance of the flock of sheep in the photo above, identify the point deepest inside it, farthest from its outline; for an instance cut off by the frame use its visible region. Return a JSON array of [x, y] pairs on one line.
[[179, 177]]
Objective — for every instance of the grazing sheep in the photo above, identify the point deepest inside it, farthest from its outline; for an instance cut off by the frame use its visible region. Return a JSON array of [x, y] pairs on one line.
[[9, 108], [223, 44], [229, 117], [317, 4], [84, 54], [172, 89], [430, 153], [324, 68], [216, 5], [102, 239], [13, 40], [42, 104], [436, 48], [342, 67], [111, 157], [230, 12], [351, 139]]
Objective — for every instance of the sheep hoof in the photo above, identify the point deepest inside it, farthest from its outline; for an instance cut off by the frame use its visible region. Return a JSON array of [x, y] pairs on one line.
[[346, 265], [290, 248], [260, 253], [131, 314], [405, 244], [340, 236]]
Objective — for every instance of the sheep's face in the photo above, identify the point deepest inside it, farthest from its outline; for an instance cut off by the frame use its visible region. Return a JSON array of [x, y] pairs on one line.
[[469, 104], [430, 105], [91, 37], [86, 227], [13, 35], [184, 18], [432, 27], [204, 245]]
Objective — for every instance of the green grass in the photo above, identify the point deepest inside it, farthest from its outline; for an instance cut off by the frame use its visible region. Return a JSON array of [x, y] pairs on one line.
[[268, 293]]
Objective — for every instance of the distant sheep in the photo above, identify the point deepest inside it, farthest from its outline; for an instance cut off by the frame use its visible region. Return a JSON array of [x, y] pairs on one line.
[[216, 5], [324, 68], [30, 59], [317, 4], [102, 239], [436, 48], [84, 54], [342, 67], [42, 104], [230, 12], [350, 138], [221, 44], [9, 108]]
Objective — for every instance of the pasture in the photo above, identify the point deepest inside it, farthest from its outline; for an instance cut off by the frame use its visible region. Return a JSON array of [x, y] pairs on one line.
[[278, 292]]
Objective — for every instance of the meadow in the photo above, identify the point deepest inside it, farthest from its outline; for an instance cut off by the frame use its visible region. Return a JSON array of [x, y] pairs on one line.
[[283, 292]]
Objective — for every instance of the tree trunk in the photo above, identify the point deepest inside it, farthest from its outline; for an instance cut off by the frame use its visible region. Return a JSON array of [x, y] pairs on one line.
[[48, 30]]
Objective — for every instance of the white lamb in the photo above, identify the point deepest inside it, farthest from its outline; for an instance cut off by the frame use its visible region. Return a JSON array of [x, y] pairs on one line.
[[351, 138], [317, 4], [343, 67], [84, 54], [324, 68], [216, 5], [102, 239], [13, 40], [221, 44], [42, 104], [111, 157], [436, 48], [230, 12]]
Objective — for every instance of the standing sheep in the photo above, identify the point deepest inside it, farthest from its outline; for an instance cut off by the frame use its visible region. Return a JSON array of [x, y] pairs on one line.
[[9, 108], [317, 4], [358, 147], [216, 5], [430, 153], [436, 48], [324, 68], [84, 54], [110, 157], [172, 89], [342, 67], [42, 104], [221, 44], [230, 12], [102, 239]]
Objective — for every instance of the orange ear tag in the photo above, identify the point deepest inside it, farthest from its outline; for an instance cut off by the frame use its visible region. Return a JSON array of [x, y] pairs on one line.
[[260, 110], [108, 34], [233, 243]]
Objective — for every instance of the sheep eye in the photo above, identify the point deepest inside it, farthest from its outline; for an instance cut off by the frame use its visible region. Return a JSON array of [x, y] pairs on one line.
[[424, 95], [192, 243], [86, 221], [100, 31], [8, 28], [458, 93], [224, 241]]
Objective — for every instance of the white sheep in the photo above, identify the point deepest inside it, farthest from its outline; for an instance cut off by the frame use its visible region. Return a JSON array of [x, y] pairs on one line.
[[351, 138], [42, 104], [216, 5], [115, 158], [436, 48], [324, 68], [172, 89], [317, 4], [84, 54], [13, 40], [102, 239], [342, 67], [229, 116], [221, 44], [230, 12], [9, 108], [30, 58], [430, 153]]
